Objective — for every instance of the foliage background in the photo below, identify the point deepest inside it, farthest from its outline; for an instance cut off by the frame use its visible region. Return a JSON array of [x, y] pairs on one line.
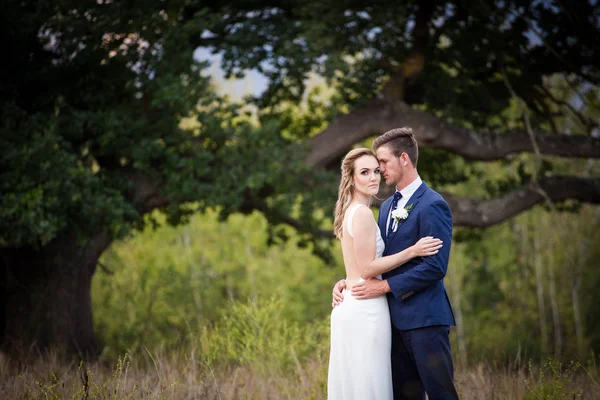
[[227, 287], [178, 286]]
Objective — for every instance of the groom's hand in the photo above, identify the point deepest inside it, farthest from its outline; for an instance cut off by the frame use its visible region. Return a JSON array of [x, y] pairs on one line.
[[370, 289], [338, 297]]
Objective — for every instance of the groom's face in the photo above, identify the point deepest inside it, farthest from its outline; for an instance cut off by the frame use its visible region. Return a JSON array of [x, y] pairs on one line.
[[390, 166]]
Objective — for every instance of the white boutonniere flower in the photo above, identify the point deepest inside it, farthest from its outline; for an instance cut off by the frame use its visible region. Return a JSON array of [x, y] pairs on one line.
[[401, 213]]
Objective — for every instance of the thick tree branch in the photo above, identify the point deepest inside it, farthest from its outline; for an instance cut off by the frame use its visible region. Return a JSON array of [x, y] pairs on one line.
[[472, 213], [482, 213], [379, 116], [466, 212], [146, 195]]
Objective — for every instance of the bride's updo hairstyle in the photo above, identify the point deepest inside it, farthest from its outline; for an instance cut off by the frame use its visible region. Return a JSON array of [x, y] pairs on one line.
[[346, 190]]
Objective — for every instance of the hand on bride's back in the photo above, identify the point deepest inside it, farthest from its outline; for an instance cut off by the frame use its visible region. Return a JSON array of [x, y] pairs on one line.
[[337, 295], [427, 246]]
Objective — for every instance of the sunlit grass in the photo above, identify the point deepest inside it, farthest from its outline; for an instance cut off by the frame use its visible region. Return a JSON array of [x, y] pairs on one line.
[[254, 353], [187, 375]]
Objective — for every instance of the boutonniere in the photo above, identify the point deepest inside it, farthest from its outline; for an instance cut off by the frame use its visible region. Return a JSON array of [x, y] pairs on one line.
[[401, 213]]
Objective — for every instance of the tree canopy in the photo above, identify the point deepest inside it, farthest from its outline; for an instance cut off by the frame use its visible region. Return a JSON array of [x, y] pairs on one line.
[[94, 94]]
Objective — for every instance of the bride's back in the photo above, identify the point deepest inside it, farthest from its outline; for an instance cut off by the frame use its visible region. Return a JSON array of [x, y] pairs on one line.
[[348, 252]]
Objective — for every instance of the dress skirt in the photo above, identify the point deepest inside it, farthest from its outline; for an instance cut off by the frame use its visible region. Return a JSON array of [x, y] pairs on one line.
[[360, 356]]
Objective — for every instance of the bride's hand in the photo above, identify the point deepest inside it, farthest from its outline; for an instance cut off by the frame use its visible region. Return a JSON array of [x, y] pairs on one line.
[[337, 296], [427, 246]]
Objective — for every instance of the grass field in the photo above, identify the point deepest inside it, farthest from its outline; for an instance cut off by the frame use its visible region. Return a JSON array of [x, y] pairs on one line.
[[186, 376]]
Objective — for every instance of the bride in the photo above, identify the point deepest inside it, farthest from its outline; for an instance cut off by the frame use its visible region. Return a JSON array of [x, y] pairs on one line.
[[359, 360]]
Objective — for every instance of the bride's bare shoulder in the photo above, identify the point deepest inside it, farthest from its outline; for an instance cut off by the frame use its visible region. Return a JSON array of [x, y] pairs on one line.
[[363, 215]]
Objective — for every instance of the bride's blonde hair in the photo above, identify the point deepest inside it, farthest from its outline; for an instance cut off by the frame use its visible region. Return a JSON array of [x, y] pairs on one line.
[[346, 190]]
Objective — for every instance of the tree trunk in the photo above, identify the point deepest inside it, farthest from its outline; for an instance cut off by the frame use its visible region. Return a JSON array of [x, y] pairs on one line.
[[194, 271], [46, 299], [460, 326], [578, 260], [555, 312], [575, 287], [539, 284]]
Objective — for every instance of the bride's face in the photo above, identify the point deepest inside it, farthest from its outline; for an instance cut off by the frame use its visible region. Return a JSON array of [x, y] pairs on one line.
[[366, 175]]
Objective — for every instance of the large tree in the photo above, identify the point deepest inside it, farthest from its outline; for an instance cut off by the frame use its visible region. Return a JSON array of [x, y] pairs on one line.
[[93, 95]]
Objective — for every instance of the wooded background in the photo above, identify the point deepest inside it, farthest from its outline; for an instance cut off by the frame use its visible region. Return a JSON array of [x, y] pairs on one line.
[[143, 207]]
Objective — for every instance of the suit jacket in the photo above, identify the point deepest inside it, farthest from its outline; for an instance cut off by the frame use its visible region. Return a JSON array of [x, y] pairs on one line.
[[418, 297]]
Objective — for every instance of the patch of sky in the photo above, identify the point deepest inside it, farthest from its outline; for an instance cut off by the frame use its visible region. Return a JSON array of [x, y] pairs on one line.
[[253, 82]]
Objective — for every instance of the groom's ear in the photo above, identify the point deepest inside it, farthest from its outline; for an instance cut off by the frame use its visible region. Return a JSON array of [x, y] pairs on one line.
[[404, 159]]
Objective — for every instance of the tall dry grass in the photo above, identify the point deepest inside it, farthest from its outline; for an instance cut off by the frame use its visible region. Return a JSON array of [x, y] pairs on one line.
[[186, 376]]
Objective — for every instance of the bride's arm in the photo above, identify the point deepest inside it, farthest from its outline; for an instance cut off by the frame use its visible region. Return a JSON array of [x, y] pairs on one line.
[[365, 247]]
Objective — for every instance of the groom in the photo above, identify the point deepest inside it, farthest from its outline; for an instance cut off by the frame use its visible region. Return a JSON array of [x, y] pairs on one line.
[[419, 306]]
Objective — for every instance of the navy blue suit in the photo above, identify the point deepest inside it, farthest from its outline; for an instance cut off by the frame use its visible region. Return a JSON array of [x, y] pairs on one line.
[[419, 306]]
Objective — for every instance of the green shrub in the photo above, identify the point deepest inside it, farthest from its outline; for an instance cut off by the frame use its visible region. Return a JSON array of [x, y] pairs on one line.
[[169, 284], [554, 382], [258, 334]]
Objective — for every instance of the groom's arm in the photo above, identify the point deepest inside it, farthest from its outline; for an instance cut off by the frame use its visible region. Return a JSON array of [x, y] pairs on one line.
[[436, 221]]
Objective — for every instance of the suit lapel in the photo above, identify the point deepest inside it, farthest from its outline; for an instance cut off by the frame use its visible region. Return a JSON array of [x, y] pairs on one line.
[[385, 210], [414, 199]]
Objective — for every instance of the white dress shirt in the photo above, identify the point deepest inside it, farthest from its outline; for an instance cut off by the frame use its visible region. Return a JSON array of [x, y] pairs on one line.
[[406, 193]]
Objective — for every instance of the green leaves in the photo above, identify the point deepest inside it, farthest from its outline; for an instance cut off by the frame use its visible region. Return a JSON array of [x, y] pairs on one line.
[[95, 108], [46, 189], [110, 115], [173, 285]]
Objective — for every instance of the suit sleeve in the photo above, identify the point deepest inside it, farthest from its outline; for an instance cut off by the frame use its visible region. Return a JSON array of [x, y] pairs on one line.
[[436, 221]]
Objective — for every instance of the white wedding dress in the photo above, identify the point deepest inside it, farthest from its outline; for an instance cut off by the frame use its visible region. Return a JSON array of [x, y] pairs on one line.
[[361, 341]]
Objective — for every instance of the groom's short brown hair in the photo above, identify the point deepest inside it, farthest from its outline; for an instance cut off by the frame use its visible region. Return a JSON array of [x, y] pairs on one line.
[[399, 140]]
